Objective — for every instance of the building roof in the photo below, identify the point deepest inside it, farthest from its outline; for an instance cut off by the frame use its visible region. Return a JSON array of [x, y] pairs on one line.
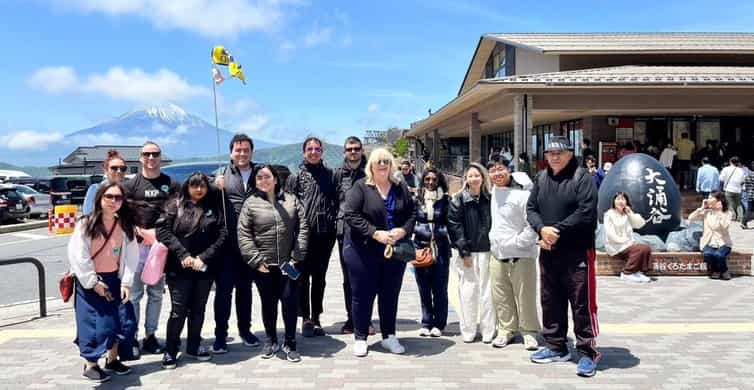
[[638, 75], [99, 153], [572, 43]]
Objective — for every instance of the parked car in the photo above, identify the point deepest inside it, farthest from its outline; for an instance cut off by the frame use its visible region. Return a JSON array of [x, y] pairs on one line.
[[12, 204], [71, 189], [39, 184], [180, 172], [38, 202]]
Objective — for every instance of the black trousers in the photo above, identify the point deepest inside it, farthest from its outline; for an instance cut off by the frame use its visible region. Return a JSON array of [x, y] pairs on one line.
[[311, 295], [188, 298], [347, 295], [275, 287], [569, 278], [233, 274], [372, 275]]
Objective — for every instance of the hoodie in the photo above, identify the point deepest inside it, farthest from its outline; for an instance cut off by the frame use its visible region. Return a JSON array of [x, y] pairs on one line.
[[510, 234]]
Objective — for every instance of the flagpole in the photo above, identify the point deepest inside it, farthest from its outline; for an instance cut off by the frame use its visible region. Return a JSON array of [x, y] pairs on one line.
[[219, 162]]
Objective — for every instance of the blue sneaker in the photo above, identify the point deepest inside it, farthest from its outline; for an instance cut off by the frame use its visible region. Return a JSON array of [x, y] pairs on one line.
[[546, 355], [587, 367]]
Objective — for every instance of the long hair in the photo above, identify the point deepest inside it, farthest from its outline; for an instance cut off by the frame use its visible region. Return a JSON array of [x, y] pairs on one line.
[[94, 226], [485, 178], [188, 215], [441, 183], [377, 155], [624, 195], [720, 196]]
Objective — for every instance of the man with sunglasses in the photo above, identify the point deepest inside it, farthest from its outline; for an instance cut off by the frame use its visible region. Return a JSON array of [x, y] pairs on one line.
[[315, 187], [146, 193], [354, 162]]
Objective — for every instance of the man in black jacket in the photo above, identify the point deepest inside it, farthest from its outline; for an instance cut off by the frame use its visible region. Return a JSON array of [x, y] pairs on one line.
[[352, 170], [315, 187], [232, 272], [562, 208]]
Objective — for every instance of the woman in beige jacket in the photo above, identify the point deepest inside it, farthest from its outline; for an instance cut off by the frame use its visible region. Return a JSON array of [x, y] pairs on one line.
[[715, 243], [620, 222]]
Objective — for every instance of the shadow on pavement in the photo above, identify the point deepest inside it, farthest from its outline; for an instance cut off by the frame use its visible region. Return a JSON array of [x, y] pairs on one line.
[[424, 346], [617, 358], [321, 346]]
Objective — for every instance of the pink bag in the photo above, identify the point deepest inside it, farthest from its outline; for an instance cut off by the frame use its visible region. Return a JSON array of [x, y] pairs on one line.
[[154, 266]]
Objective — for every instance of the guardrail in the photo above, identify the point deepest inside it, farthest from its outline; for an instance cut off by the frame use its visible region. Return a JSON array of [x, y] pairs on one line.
[[40, 275]]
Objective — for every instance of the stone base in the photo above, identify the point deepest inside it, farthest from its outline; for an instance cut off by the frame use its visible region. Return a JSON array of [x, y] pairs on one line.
[[677, 264]]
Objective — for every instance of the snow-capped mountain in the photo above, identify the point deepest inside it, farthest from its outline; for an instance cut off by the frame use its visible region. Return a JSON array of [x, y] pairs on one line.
[[180, 134]]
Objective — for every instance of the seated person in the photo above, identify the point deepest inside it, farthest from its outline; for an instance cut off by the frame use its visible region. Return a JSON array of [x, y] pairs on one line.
[[715, 242], [620, 222]]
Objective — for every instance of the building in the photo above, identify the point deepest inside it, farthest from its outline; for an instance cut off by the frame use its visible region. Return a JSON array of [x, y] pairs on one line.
[[88, 160], [520, 89]]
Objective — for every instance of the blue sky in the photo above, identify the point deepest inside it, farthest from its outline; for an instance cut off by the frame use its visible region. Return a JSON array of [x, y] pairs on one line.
[[332, 68]]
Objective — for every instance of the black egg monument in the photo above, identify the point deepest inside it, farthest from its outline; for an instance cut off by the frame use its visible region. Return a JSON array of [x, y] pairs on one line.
[[651, 189]]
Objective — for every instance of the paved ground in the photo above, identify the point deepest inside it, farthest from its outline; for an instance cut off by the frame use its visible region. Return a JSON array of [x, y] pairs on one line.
[[675, 333]]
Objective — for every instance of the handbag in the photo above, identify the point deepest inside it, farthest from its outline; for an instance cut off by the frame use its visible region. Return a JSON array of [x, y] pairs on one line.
[[402, 250], [154, 266], [68, 280], [425, 257]]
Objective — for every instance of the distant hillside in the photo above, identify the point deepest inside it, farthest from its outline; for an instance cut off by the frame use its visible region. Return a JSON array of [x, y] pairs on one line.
[[33, 171]]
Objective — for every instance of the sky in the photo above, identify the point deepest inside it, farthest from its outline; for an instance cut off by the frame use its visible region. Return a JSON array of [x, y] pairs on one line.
[[330, 68]]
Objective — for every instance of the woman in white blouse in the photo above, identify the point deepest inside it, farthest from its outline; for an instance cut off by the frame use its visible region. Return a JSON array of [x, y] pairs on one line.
[[715, 242], [620, 222]]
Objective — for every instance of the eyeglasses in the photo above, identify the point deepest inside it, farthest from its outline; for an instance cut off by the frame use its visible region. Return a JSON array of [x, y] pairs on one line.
[[113, 197], [351, 150], [116, 168], [383, 162], [150, 154], [315, 150]]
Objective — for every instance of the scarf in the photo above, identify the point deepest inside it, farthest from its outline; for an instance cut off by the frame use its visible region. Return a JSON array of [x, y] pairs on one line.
[[430, 197]]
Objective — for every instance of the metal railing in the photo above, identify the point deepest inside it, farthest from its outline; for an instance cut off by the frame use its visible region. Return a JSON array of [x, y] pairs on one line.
[[40, 275]]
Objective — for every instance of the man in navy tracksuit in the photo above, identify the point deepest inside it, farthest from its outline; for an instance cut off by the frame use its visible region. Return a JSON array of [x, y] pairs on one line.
[[562, 208]]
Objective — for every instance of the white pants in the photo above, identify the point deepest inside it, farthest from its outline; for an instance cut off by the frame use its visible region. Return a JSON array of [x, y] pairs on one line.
[[475, 296]]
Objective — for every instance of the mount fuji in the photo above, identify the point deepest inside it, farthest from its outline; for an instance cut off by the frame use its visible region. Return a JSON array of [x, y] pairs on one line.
[[180, 134]]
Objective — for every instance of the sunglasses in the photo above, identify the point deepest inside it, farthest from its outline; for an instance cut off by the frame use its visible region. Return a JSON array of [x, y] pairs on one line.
[[116, 168], [383, 162], [351, 150], [315, 150], [150, 154], [113, 197]]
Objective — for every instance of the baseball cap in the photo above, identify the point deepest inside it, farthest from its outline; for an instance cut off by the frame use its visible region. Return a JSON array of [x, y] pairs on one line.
[[558, 143]]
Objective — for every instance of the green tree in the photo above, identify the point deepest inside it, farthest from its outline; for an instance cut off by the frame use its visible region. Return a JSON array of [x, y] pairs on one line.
[[400, 147]]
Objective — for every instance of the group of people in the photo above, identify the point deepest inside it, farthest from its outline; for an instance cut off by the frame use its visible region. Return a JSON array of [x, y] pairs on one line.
[[248, 226]]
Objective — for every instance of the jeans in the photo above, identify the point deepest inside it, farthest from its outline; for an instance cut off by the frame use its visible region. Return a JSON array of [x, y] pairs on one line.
[[749, 215], [716, 258], [432, 282], [275, 287], [154, 296], [311, 295], [347, 296], [233, 273], [189, 301], [734, 203]]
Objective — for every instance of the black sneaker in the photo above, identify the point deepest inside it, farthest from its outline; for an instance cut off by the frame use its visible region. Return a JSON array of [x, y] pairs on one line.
[[202, 354], [269, 350], [307, 329], [318, 331], [95, 374], [291, 355], [151, 345], [117, 367], [169, 361], [250, 340]]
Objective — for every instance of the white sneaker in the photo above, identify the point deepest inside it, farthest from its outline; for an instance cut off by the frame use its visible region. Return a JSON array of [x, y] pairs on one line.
[[644, 278], [391, 344], [435, 332], [424, 332], [360, 348], [633, 278], [530, 342], [500, 342]]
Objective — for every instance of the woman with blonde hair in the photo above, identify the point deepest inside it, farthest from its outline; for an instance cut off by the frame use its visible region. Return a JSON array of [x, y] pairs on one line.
[[379, 212], [469, 222]]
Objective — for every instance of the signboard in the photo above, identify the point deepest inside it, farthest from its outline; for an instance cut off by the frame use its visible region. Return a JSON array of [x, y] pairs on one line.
[[608, 152]]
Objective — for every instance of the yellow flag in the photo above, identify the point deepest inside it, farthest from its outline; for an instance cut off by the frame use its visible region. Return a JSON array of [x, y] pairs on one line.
[[220, 56], [237, 72]]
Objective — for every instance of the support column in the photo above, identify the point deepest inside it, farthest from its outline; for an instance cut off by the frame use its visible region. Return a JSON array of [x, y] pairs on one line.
[[523, 107], [436, 146], [475, 138]]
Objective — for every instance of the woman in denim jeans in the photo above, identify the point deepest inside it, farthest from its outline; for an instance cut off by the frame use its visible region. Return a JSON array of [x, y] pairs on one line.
[[715, 242], [432, 203]]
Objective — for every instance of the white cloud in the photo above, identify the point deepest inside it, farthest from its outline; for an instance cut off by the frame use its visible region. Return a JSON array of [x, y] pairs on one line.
[[29, 140], [133, 85], [254, 123], [106, 138], [374, 107], [319, 36], [209, 18]]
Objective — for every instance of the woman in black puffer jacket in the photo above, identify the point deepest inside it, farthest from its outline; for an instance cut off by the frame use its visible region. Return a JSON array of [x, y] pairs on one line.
[[432, 203], [193, 229]]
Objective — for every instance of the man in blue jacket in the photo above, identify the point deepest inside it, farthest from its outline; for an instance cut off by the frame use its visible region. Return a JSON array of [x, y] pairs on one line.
[[562, 209]]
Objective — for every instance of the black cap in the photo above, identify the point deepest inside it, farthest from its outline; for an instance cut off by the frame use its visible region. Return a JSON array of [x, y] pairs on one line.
[[558, 143]]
